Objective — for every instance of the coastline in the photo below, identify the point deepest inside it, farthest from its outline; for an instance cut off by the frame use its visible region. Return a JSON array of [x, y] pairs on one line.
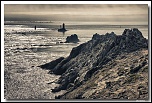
[[28, 68], [76, 73]]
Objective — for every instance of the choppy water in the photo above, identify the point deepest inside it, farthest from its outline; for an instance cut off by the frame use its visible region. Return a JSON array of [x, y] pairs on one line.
[[26, 48]]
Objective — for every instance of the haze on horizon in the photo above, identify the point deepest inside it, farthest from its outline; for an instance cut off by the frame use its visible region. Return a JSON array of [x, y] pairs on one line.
[[120, 13]]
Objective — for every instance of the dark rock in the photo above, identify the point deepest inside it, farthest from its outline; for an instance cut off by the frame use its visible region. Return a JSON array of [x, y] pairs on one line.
[[50, 82], [79, 96], [64, 83], [58, 97], [75, 51], [24, 33], [59, 68], [138, 67], [133, 40], [70, 86], [52, 64], [108, 84], [56, 89], [145, 69], [120, 73], [90, 72], [61, 42], [62, 30], [63, 66], [96, 36], [72, 39], [144, 63]]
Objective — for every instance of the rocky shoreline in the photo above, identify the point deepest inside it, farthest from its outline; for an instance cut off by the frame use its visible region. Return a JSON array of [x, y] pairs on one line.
[[108, 66]]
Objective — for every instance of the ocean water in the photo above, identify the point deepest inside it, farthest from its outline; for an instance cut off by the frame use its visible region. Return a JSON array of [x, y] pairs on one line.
[[26, 48]]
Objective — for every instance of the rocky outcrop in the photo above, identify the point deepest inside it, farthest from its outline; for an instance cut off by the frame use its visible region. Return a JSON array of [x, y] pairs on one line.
[[72, 39], [94, 63], [52, 64], [115, 79]]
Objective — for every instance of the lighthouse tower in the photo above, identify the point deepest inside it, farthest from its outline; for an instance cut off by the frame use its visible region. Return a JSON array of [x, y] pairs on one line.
[[62, 29], [63, 26]]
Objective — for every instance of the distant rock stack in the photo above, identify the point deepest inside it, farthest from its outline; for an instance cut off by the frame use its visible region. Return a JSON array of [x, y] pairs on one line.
[[72, 39]]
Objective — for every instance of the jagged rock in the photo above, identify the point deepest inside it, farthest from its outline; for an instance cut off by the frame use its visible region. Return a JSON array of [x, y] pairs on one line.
[[72, 39], [108, 84], [56, 89], [96, 36], [51, 64], [133, 40], [88, 59], [90, 72], [141, 64], [59, 69], [136, 69]]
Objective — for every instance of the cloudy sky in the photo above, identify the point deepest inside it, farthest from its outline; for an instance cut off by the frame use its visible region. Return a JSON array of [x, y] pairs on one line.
[[124, 13]]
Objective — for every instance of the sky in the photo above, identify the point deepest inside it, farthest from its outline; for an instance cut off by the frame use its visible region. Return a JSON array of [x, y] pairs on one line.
[[122, 13]]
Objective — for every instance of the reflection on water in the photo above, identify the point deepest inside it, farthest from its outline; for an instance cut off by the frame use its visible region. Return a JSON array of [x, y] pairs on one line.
[[23, 53], [26, 48]]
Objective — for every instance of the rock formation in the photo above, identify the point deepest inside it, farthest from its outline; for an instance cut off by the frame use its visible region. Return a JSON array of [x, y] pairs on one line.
[[108, 66], [52, 64], [72, 39]]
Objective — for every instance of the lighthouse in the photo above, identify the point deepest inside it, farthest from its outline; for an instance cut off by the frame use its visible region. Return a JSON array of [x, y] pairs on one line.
[[63, 26], [35, 27], [62, 29]]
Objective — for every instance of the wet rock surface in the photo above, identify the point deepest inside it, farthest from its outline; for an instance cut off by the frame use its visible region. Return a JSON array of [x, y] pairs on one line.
[[108, 66]]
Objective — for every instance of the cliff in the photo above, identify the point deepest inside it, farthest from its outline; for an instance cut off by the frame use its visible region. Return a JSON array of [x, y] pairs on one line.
[[108, 66]]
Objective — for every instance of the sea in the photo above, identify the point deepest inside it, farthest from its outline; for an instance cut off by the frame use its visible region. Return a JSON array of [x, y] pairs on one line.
[[26, 48]]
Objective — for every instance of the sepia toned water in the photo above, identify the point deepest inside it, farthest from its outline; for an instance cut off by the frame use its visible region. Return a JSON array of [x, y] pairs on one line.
[[26, 48]]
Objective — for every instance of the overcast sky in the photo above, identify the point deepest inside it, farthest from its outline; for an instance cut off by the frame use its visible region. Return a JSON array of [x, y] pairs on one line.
[[78, 12]]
